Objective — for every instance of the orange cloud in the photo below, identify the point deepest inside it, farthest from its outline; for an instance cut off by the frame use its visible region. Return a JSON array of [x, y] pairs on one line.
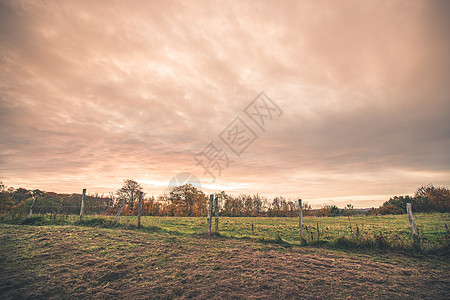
[[92, 93]]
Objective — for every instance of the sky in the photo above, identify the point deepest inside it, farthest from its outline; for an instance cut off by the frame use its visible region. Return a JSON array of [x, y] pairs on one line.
[[334, 102]]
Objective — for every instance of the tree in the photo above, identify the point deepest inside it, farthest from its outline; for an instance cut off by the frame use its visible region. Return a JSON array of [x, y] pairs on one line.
[[394, 206], [258, 205], [248, 204], [6, 201], [293, 208], [20, 195], [130, 191], [426, 199], [307, 209], [188, 200], [389, 209], [234, 206], [324, 211], [150, 207], [335, 211], [399, 202], [284, 207], [109, 200], [431, 198], [275, 207], [348, 210], [222, 199]]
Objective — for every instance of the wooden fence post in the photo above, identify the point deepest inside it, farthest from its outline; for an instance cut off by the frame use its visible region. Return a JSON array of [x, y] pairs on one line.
[[82, 204], [32, 204], [318, 232], [216, 214], [415, 234], [139, 210], [120, 210], [300, 219], [210, 206]]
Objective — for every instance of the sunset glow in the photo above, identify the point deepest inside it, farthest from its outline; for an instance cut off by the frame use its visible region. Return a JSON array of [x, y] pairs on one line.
[[92, 93]]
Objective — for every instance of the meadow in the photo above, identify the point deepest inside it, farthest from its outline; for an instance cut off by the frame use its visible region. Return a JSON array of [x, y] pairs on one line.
[[392, 229], [58, 257], [359, 232]]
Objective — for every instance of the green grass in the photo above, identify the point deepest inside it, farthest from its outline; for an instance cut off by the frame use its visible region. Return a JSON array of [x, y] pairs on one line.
[[391, 232], [91, 262]]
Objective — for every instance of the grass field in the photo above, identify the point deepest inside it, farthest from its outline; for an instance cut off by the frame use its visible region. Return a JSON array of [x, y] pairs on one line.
[[390, 232], [87, 262], [172, 257], [394, 229]]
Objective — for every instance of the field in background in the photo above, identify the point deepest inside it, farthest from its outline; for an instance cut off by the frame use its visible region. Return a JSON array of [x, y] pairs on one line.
[[393, 228], [389, 232]]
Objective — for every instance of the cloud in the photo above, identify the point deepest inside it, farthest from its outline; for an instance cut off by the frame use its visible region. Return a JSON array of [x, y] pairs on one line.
[[92, 93]]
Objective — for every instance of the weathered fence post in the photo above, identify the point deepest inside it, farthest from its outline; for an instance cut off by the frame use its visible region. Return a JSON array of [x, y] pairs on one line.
[[32, 204], [210, 206], [82, 204], [139, 210], [318, 232], [300, 219], [120, 210], [216, 214], [415, 234]]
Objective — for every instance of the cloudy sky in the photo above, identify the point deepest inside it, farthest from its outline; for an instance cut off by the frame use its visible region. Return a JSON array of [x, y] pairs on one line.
[[356, 94]]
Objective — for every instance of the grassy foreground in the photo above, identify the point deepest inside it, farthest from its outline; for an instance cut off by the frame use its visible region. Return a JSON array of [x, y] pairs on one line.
[[87, 262]]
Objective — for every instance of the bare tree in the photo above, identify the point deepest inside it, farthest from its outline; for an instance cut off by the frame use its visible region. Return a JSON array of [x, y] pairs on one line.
[[276, 206], [130, 190]]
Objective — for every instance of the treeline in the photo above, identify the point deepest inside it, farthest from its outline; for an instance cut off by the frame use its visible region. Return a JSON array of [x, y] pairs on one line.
[[18, 201], [187, 200], [426, 199]]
